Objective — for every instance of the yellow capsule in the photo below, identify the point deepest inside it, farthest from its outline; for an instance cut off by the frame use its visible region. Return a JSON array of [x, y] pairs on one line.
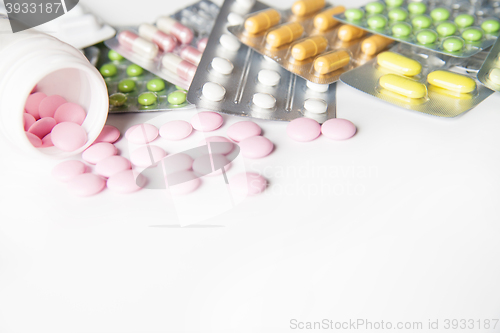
[[401, 85], [325, 21], [374, 44], [309, 47], [347, 33], [452, 81], [262, 21], [285, 34], [331, 62], [449, 93], [399, 64], [304, 7], [401, 98]]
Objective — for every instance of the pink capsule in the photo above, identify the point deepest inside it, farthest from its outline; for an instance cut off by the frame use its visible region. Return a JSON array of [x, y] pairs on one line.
[[184, 69], [170, 26], [137, 44], [166, 43], [190, 54], [202, 44]]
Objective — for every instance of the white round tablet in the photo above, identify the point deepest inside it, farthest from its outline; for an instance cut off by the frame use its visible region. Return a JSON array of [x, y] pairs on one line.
[[213, 91], [229, 42], [264, 101], [315, 105], [222, 65], [268, 77], [317, 87], [234, 19]]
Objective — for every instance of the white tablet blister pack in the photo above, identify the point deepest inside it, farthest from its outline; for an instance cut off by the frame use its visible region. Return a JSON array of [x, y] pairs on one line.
[[234, 79]]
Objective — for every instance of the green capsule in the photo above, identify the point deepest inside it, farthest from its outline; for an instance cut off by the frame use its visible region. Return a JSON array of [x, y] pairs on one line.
[[440, 14], [417, 8], [446, 29], [113, 55], [374, 7], [108, 70], [134, 70], [401, 30], [421, 22], [155, 85], [377, 22], [490, 26], [426, 37], [126, 86], [464, 20], [147, 98], [394, 3], [397, 14], [117, 99], [453, 44], [354, 14], [472, 35], [177, 97]]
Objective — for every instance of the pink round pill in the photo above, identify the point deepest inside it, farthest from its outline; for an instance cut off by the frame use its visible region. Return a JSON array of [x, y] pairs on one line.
[[98, 152], [68, 136], [86, 184], [141, 133], [176, 130], [303, 129], [247, 184], [35, 141], [256, 147], [70, 112], [49, 105], [108, 134], [222, 145], [183, 182], [112, 165], [47, 141], [33, 104], [28, 121], [242, 130], [207, 121], [147, 155], [42, 127], [68, 170], [211, 165], [126, 182], [176, 163], [338, 129]]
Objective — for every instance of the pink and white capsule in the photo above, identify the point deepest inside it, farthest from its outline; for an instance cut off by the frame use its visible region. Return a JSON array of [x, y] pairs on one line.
[[165, 42], [190, 54], [170, 26], [202, 44], [137, 44], [184, 69]]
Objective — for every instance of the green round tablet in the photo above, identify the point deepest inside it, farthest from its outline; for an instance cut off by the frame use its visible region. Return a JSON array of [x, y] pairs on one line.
[[490, 26], [440, 14], [374, 7], [427, 37], [446, 29], [354, 14], [421, 22], [397, 14], [401, 30], [108, 70], [394, 3], [117, 99], [113, 55], [134, 70], [464, 20], [147, 98], [126, 85], [417, 8], [177, 97], [376, 22], [453, 44], [472, 35], [179, 88], [155, 85]]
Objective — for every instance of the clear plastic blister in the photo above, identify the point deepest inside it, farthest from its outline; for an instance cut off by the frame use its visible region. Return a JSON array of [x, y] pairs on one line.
[[489, 74], [307, 41], [421, 80], [173, 46], [456, 28], [234, 79]]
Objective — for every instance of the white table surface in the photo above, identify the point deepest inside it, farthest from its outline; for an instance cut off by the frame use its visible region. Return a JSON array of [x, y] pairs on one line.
[[403, 226]]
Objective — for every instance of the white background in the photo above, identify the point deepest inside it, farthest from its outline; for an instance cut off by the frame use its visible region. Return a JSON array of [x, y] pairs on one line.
[[404, 227]]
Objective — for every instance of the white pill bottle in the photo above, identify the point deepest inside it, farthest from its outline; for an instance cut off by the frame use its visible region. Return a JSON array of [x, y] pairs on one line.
[[30, 58]]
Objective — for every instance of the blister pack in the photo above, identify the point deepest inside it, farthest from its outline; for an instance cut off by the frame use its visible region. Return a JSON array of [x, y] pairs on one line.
[[308, 41], [172, 47], [489, 74], [232, 78], [457, 28], [130, 87], [421, 80]]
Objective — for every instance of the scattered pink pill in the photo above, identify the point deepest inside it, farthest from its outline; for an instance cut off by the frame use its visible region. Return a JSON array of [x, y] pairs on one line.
[[222, 145], [176, 163], [126, 182], [42, 127], [112, 165], [141, 133], [68, 136], [207, 121], [49, 105], [35, 141], [86, 184], [68, 170], [47, 141], [33, 103], [176, 130], [108, 134], [338, 129], [70, 112], [28, 121], [303, 129], [247, 184], [211, 165], [147, 155], [98, 152], [242, 130], [183, 182], [256, 147]]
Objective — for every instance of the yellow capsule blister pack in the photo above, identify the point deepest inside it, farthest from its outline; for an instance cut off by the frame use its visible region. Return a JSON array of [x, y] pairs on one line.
[[422, 80], [308, 41]]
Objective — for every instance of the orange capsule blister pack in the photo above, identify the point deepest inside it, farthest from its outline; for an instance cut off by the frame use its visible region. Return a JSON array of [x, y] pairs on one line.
[[308, 41]]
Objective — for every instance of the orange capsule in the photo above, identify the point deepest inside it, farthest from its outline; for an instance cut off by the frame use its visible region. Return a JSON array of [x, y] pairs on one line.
[[348, 32], [330, 62], [374, 44], [262, 21], [304, 7], [309, 47], [325, 21], [285, 34]]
